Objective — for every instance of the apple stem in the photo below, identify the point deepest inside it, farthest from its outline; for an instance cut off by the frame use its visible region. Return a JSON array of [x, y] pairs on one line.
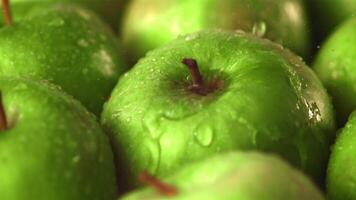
[[197, 80], [7, 12], [161, 187], [3, 121]]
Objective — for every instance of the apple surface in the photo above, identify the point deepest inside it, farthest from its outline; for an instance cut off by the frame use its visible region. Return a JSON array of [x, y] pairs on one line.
[[66, 45], [109, 10], [148, 24], [256, 95], [336, 67], [52, 148], [235, 175], [341, 176]]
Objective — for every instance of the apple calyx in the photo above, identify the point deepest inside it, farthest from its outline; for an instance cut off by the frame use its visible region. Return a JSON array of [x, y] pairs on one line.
[[199, 86], [3, 121], [7, 12], [163, 188]]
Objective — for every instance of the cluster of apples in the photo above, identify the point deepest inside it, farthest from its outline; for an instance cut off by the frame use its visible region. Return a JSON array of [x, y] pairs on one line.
[[212, 105]]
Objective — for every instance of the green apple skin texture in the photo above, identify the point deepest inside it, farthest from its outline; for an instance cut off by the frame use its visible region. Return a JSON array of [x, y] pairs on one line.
[[336, 67], [269, 101], [109, 10], [236, 175], [54, 148], [151, 23], [65, 45], [341, 179]]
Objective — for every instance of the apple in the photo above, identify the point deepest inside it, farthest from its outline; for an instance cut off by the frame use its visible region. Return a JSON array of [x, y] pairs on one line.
[[150, 25], [51, 147], [336, 67], [109, 10], [66, 45], [341, 176], [233, 175], [232, 91]]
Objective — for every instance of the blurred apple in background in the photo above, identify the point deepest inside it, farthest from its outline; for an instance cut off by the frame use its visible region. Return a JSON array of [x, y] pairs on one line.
[[109, 10], [66, 45], [335, 64], [151, 23]]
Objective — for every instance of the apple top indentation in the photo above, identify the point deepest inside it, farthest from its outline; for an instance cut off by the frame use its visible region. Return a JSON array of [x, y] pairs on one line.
[[199, 86]]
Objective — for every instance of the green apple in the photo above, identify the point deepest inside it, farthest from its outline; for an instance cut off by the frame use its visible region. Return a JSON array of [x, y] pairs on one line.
[[253, 94], [341, 176], [51, 148], [150, 23], [235, 175], [327, 14], [66, 45], [109, 10], [336, 67]]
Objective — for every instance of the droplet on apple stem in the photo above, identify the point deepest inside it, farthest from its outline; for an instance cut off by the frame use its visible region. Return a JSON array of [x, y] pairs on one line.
[[163, 188], [3, 121], [7, 12]]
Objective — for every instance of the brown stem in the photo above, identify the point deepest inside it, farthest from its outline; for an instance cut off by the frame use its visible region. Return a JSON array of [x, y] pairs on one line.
[[3, 121], [7, 12], [197, 80], [161, 187]]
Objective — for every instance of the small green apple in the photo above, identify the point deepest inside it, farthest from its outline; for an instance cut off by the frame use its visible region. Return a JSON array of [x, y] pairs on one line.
[[336, 67], [51, 147], [234, 175], [252, 94], [341, 176], [150, 23], [109, 10], [66, 45]]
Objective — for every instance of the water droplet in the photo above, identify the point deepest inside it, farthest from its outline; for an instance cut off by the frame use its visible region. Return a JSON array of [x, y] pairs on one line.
[[303, 154], [191, 37], [204, 135], [76, 159], [154, 124], [297, 106], [240, 32], [151, 154], [85, 71], [82, 43], [85, 15], [252, 130], [259, 29], [102, 37], [105, 63], [314, 112], [20, 86], [56, 22]]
